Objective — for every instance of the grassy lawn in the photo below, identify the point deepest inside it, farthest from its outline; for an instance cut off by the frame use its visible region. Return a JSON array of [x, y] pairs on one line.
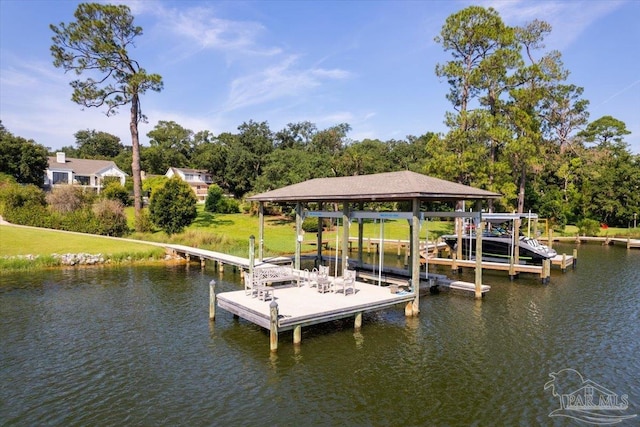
[[43, 243]]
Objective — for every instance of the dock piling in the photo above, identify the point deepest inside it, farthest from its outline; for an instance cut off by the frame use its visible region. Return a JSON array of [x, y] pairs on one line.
[[212, 300], [273, 335], [357, 324], [297, 335], [575, 258]]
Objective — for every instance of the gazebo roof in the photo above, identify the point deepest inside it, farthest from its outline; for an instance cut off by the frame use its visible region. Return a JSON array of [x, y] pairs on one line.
[[389, 186]]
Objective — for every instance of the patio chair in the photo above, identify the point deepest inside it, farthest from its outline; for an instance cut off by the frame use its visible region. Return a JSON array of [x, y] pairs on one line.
[[344, 283]]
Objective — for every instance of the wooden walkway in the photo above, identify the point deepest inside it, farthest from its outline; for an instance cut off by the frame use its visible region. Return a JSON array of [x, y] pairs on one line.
[[220, 258]]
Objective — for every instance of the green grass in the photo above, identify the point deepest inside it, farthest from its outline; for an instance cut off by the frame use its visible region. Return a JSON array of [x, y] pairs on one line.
[[16, 242]]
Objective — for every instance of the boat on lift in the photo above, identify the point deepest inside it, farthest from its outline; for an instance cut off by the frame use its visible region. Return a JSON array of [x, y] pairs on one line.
[[498, 246]]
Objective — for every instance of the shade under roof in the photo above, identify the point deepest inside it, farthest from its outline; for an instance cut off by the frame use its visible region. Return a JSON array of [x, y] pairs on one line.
[[403, 185]]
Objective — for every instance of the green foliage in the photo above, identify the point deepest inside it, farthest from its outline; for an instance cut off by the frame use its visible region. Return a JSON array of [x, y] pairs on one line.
[[143, 222], [92, 144], [153, 183], [16, 196], [112, 220], [23, 159], [588, 227], [216, 202], [173, 207], [310, 225], [115, 191]]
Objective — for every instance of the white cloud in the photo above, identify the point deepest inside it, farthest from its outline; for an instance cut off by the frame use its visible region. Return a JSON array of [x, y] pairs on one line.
[[278, 81]]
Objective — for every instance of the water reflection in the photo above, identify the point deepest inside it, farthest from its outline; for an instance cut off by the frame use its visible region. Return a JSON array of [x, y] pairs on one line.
[[135, 346]]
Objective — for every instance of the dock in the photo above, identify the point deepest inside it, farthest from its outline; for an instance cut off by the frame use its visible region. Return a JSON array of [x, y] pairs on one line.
[[219, 258], [293, 307], [429, 283]]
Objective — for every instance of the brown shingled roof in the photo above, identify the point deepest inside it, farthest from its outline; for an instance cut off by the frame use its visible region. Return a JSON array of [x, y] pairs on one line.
[[403, 185]]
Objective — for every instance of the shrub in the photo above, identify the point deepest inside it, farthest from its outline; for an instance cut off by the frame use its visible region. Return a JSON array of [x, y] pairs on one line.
[[67, 198], [115, 191], [16, 196], [218, 203], [112, 220], [143, 222], [173, 207], [588, 227], [310, 224]]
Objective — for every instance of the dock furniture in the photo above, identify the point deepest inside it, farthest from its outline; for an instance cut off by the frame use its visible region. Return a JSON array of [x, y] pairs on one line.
[[323, 282], [344, 283], [256, 283]]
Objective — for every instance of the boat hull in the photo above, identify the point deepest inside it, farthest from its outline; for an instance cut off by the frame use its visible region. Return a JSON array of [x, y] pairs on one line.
[[499, 249]]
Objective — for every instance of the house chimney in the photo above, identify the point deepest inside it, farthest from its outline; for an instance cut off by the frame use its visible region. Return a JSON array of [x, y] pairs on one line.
[[60, 157]]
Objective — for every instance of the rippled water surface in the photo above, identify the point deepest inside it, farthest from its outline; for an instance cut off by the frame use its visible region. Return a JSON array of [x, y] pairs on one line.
[[134, 346]]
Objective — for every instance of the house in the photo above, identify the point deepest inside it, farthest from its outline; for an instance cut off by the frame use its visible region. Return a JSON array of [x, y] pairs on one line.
[[84, 172], [198, 179]]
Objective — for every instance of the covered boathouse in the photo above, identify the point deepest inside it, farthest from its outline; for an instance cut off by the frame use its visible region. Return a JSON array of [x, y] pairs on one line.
[[349, 194]]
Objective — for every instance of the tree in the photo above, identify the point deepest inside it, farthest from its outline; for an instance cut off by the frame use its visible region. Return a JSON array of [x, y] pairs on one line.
[[173, 207], [92, 144], [23, 159], [98, 43]]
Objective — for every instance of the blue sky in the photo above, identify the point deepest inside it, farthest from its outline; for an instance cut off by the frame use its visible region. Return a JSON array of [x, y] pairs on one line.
[[367, 63]]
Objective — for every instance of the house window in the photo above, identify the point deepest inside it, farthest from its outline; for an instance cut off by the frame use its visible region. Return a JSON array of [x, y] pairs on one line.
[[60, 177], [82, 179], [189, 177]]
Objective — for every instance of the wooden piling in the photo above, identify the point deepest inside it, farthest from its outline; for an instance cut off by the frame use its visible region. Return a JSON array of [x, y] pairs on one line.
[[564, 263], [357, 324], [575, 258], [202, 262], [273, 330], [212, 300], [408, 309], [297, 335]]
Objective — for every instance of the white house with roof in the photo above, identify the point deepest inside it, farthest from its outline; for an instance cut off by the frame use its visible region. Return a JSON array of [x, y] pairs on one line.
[[85, 172], [198, 179]]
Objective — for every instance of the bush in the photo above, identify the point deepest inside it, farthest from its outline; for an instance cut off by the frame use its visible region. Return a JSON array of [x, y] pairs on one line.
[[112, 220], [310, 225], [115, 191], [14, 196], [143, 222], [588, 227], [173, 207], [67, 198], [216, 202]]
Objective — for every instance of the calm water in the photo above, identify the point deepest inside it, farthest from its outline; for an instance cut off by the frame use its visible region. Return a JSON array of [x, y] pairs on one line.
[[134, 346]]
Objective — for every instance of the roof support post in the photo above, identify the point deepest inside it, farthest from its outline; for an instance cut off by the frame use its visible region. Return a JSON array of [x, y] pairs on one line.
[[298, 235], [415, 256], [260, 230], [479, 230], [319, 240], [345, 235]]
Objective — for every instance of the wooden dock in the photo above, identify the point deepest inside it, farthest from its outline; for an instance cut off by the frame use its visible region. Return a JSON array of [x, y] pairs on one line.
[[220, 258], [563, 261], [293, 307], [428, 284]]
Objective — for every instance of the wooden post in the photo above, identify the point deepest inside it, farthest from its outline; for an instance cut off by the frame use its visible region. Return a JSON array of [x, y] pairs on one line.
[[220, 267], [575, 258], [299, 236], [408, 309], [357, 324], [550, 242], [212, 300], [512, 270], [252, 249], [516, 240], [454, 264], [479, 229], [202, 262], [273, 335], [399, 248], [260, 231], [297, 335], [564, 263], [415, 256]]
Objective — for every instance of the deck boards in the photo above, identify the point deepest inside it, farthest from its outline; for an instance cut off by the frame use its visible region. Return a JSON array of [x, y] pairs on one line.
[[304, 305]]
